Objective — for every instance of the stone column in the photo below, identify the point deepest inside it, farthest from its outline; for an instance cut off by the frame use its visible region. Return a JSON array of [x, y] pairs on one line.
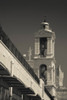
[[54, 74], [49, 76], [11, 88], [37, 46], [11, 92], [49, 46], [53, 49]]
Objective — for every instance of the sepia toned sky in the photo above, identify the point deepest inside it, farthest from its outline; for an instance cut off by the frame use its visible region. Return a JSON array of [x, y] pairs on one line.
[[20, 19]]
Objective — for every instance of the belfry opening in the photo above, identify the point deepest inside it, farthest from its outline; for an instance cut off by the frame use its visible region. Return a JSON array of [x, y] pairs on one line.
[[43, 73], [43, 46]]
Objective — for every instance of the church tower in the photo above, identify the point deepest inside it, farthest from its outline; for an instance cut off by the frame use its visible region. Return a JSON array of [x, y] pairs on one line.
[[44, 56]]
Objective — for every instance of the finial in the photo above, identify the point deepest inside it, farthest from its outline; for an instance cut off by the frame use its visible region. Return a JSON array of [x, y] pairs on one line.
[[30, 53], [24, 55]]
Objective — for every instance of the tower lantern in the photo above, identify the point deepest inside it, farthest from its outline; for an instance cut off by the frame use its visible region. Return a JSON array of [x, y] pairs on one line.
[[45, 25]]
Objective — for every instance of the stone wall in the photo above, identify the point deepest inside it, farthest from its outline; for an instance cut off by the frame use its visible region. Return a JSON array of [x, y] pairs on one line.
[[62, 94]]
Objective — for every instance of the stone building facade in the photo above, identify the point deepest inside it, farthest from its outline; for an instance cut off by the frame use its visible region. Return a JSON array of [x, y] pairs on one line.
[[44, 63]]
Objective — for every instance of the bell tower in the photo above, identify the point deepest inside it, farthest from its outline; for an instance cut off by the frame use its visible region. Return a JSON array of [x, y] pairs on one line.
[[44, 42], [44, 55]]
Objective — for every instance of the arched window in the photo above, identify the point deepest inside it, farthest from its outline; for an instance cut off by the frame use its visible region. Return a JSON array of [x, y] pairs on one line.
[[43, 72]]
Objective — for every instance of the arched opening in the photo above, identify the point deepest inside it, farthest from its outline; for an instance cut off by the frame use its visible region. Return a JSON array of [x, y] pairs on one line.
[[43, 46], [43, 73]]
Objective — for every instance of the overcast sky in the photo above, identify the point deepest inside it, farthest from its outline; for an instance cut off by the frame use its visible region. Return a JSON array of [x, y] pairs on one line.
[[20, 20]]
